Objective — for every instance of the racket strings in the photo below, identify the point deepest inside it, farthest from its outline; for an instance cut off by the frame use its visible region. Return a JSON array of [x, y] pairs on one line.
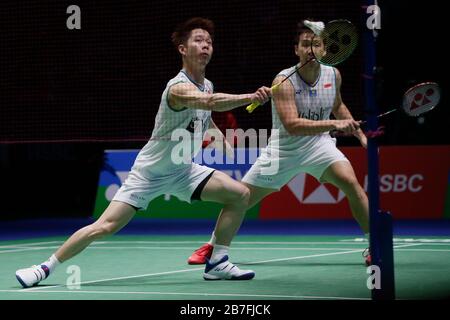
[[340, 39], [421, 98]]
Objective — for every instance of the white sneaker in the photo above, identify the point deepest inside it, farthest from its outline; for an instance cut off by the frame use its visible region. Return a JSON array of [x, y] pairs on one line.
[[224, 269], [29, 277]]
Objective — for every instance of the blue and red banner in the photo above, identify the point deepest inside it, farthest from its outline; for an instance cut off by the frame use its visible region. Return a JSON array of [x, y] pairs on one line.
[[414, 184]]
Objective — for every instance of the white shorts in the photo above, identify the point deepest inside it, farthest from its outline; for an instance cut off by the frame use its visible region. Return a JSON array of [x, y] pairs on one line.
[[313, 160], [138, 190]]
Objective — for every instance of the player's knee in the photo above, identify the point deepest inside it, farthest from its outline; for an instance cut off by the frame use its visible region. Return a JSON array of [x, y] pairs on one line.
[[241, 197], [360, 193], [245, 197], [353, 188], [104, 229]]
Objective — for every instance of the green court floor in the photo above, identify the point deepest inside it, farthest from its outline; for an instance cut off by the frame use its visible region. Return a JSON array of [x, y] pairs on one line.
[[287, 268]]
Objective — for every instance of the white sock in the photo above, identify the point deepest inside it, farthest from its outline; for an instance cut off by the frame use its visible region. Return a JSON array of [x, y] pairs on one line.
[[51, 263], [218, 253], [212, 241]]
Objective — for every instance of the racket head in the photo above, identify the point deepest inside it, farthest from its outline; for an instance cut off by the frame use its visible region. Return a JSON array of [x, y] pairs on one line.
[[421, 98], [335, 43]]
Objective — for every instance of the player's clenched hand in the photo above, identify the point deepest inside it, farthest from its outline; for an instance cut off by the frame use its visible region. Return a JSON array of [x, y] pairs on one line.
[[347, 125], [261, 96]]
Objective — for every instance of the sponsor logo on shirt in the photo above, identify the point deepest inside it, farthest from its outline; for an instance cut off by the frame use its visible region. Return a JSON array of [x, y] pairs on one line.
[[313, 115]]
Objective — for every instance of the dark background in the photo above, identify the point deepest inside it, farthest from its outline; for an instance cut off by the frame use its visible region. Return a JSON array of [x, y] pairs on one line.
[[66, 95]]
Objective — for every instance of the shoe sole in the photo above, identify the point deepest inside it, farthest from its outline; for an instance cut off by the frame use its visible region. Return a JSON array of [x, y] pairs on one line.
[[247, 276], [209, 277], [23, 283], [196, 262]]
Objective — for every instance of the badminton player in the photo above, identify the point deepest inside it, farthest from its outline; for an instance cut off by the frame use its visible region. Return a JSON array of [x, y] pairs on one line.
[[301, 110], [186, 104]]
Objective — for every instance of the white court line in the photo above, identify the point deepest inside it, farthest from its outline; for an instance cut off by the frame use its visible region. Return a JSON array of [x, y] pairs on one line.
[[427, 243], [19, 245], [321, 255], [26, 249], [340, 242], [92, 247], [192, 294], [22, 247], [190, 270], [112, 279], [406, 240], [231, 249], [235, 242], [397, 248], [426, 250], [180, 248]]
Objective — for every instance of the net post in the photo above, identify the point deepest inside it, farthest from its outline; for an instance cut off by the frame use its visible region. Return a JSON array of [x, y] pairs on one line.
[[381, 248], [383, 257]]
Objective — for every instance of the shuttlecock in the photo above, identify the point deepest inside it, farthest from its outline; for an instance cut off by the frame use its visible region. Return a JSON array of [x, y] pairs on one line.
[[316, 26]]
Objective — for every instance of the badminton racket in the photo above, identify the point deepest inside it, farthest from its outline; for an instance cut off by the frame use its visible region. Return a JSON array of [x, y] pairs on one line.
[[339, 39], [416, 101], [419, 99]]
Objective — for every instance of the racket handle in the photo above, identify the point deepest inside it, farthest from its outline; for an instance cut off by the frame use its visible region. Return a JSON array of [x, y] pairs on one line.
[[252, 107], [255, 105], [337, 133]]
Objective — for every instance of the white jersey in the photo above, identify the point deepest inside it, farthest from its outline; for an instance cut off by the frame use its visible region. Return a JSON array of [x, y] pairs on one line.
[[313, 102], [154, 160], [286, 156]]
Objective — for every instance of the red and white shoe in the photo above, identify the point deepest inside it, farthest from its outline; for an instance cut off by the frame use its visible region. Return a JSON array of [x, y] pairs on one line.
[[201, 254], [367, 257]]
